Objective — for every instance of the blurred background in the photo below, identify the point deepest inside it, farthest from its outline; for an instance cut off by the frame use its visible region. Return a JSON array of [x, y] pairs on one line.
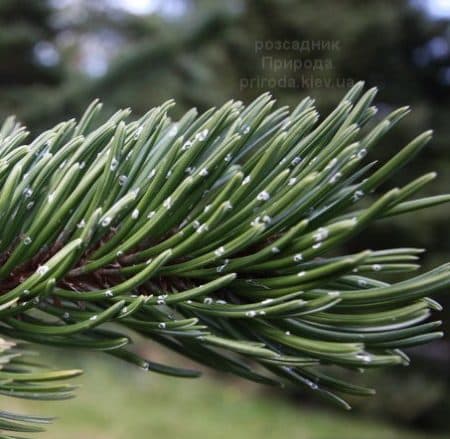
[[57, 55]]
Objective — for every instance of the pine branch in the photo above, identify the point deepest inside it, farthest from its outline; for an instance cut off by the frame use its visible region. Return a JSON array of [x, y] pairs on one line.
[[21, 376], [216, 236]]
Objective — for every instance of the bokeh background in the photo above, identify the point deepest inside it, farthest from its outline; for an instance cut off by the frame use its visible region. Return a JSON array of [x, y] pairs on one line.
[[56, 56]]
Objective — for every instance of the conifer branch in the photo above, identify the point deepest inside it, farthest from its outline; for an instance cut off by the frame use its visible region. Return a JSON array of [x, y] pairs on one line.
[[217, 236]]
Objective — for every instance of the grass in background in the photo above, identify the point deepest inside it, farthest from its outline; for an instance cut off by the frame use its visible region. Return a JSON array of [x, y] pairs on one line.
[[119, 402]]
